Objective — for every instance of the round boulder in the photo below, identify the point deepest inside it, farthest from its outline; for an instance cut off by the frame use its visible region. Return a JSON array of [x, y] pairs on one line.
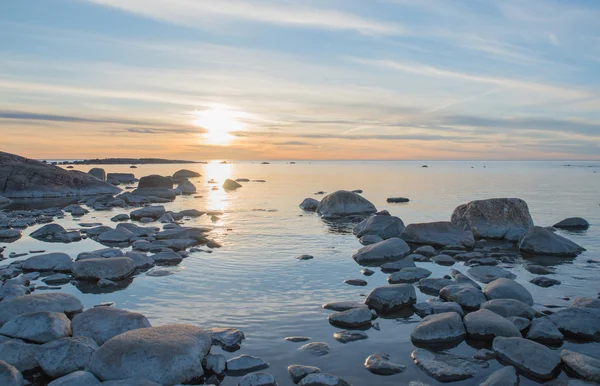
[[64, 356], [57, 261], [386, 250], [114, 268], [574, 223], [231, 185], [485, 324], [391, 297], [52, 302], [380, 225], [103, 323], [309, 204], [439, 328], [508, 289], [344, 203], [38, 327], [531, 358]]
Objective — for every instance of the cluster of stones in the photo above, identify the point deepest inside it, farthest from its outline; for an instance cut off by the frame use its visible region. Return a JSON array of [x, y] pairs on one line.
[[500, 313]]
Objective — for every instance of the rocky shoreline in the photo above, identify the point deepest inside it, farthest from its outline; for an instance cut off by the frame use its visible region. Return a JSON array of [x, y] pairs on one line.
[[49, 338], [129, 161]]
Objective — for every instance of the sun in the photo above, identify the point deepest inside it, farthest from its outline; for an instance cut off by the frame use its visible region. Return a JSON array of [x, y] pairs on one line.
[[218, 121]]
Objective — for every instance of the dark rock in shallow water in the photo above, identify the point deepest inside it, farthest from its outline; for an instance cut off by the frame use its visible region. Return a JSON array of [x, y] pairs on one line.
[[356, 282], [445, 367], [353, 318], [538, 269], [409, 275], [487, 274], [344, 203], [387, 250], [509, 307], [380, 364], [495, 218], [396, 200], [572, 223], [433, 285], [304, 257], [485, 324], [349, 336], [506, 376], [508, 289], [185, 173], [58, 262], [544, 331], [583, 366], [576, 323], [230, 339], [442, 259], [544, 282], [316, 348], [298, 372], [26, 178], [383, 226], [245, 364], [38, 327], [343, 306], [115, 268], [466, 295], [10, 234], [322, 379], [154, 212], [438, 234], [257, 379], [309, 204], [439, 328], [424, 309], [540, 241], [297, 338], [231, 185], [391, 297], [531, 358]]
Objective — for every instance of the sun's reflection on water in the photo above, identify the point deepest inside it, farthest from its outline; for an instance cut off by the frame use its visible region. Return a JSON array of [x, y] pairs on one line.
[[217, 200]]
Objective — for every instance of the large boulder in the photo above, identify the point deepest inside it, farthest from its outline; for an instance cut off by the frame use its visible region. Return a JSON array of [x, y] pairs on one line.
[[343, 203], [531, 358], [64, 356], [438, 234], [52, 302], [390, 298], [169, 354], [494, 218], [380, 225], [541, 241], [508, 289], [57, 261], [186, 187], [155, 185], [583, 366], [38, 327], [439, 328], [21, 177], [386, 250], [485, 324], [9, 375], [120, 178], [19, 354], [99, 173], [572, 223], [104, 323], [115, 268]]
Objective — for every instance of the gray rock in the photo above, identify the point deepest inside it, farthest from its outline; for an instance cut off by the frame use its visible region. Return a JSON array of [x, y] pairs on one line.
[[309, 204], [583, 302], [353, 318], [343, 306], [409, 275], [583, 366], [520, 323], [297, 338], [78, 378], [509, 307], [95, 231], [544, 282], [153, 212], [116, 236], [10, 291], [230, 339], [186, 187], [387, 250], [460, 278], [10, 234], [495, 218], [369, 239], [215, 363], [322, 379], [540, 241], [391, 297], [167, 257], [231, 185], [130, 382], [380, 225], [9, 375], [245, 364], [485, 324], [484, 354], [19, 354], [356, 282], [344, 203], [438, 234], [316, 348], [531, 358], [466, 295], [258, 379], [577, 323], [49, 232], [26, 178], [191, 213], [101, 253], [433, 285], [103, 323], [444, 367], [419, 258], [183, 233], [349, 336], [398, 265], [380, 364], [4, 202], [66, 355], [572, 223], [506, 376], [51, 302], [59, 262], [115, 268], [168, 354], [298, 372], [120, 217], [443, 260], [38, 327], [99, 173], [125, 178], [439, 328], [544, 331], [538, 269], [140, 260], [487, 274], [57, 278], [507, 289], [424, 309], [185, 173], [426, 250]]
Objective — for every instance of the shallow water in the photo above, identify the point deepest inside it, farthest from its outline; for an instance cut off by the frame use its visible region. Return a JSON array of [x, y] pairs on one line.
[[254, 283]]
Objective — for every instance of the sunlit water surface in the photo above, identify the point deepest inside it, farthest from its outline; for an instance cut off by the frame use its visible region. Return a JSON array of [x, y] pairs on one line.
[[254, 282]]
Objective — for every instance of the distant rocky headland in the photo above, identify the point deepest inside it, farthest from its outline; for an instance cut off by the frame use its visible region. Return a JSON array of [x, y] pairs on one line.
[[128, 161]]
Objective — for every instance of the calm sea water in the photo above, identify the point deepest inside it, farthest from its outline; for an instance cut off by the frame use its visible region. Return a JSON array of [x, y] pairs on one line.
[[254, 282]]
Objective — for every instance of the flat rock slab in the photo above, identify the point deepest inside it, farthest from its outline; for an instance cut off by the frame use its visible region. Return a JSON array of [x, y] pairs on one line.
[[316, 348], [322, 379], [245, 364], [380, 364], [298, 372], [386, 250], [540, 241], [353, 318], [103, 323], [576, 323], [466, 295], [438, 234], [510, 307], [439, 328], [409, 275], [168, 354], [344, 305], [532, 359], [52, 302], [391, 297], [485, 324], [424, 309], [398, 265], [59, 262], [38, 327], [349, 336], [114, 268], [445, 367], [508, 289], [583, 366], [487, 274]]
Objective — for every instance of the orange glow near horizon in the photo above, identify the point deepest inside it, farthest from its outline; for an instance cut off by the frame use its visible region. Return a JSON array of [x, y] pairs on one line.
[[219, 121]]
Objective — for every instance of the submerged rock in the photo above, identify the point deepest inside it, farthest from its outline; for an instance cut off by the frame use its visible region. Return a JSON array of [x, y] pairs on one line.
[[487, 274], [384, 226], [391, 297], [231, 185], [345, 336], [245, 364], [540, 241], [344, 203], [309, 204], [544, 282], [444, 367], [115, 268], [343, 306], [531, 358], [390, 249], [583, 366], [298, 372], [103, 323], [353, 318], [439, 328], [495, 218], [438, 234], [230, 339], [572, 223], [316, 348], [380, 364]]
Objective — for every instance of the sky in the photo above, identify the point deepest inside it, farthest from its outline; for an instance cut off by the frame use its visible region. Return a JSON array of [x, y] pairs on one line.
[[301, 79]]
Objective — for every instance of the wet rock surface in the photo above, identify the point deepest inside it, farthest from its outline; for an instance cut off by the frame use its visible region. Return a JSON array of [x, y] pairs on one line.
[[531, 358], [444, 367]]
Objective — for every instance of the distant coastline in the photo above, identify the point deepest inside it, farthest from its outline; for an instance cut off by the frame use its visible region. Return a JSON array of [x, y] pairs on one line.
[[126, 161]]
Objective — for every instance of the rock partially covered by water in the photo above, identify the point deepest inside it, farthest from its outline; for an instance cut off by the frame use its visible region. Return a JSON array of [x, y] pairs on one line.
[[495, 218], [444, 367], [485, 324], [506, 376], [508, 289], [344, 203], [182, 174], [26, 178], [438, 234], [380, 364], [103, 323], [245, 364], [57, 261], [574, 223], [487, 274], [439, 328], [466, 295], [386, 250], [231, 185], [583, 366], [322, 379], [38, 327], [391, 297], [316, 348], [544, 331], [115, 268], [64, 356], [51, 302], [509, 307], [298, 372], [230, 339], [153, 212], [309, 204], [257, 379], [540, 241], [99, 173], [384, 226], [353, 318], [169, 354], [576, 323], [9, 375], [531, 358]]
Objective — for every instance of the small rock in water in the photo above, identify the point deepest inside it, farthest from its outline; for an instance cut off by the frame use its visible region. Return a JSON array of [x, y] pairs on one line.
[[397, 200], [215, 363], [322, 379], [297, 338], [380, 364], [443, 260], [304, 257], [230, 339], [545, 282], [487, 274], [343, 306], [391, 297], [367, 272], [258, 379], [544, 331], [538, 269], [316, 348], [58, 278], [485, 324], [439, 328], [349, 336], [426, 250], [424, 309], [353, 318], [298, 372], [245, 364], [409, 275], [508, 289], [356, 282], [484, 354], [444, 367]]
